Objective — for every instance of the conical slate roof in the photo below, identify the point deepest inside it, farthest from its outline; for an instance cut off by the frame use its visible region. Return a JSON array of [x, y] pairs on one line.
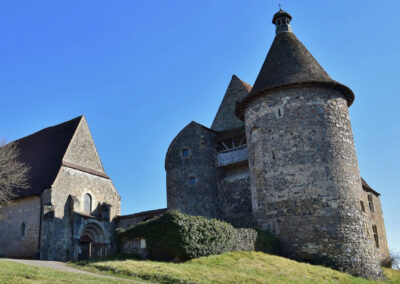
[[287, 62], [288, 65]]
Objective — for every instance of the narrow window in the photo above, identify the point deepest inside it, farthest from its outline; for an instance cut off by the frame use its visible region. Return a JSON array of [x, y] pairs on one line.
[[192, 180], [185, 153], [87, 203], [279, 112], [273, 155], [371, 203], [22, 230], [376, 237], [362, 206], [142, 243]]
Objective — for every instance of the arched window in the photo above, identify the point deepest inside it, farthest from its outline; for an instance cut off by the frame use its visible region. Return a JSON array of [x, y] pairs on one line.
[[87, 203], [22, 230]]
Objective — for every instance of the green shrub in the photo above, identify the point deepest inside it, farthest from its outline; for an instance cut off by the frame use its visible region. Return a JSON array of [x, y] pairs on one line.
[[179, 237]]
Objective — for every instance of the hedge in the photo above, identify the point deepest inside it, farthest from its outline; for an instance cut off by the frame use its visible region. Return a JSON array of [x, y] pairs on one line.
[[180, 237]]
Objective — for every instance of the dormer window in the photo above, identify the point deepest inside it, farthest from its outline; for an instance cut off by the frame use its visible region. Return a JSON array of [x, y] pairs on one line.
[[87, 203]]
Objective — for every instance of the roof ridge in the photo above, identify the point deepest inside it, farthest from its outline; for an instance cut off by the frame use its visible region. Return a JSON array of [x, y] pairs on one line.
[[50, 127]]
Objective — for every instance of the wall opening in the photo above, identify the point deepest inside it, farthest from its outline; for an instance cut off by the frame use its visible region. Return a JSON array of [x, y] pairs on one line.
[[273, 155], [371, 203], [376, 237], [362, 206], [185, 152], [192, 180], [87, 203], [23, 229]]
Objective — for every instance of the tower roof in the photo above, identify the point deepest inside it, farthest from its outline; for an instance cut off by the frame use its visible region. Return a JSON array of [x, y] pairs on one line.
[[289, 64], [225, 118], [288, 61]]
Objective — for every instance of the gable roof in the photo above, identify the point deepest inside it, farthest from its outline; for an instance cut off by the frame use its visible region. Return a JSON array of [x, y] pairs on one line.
[[225, 118], [43, 152]]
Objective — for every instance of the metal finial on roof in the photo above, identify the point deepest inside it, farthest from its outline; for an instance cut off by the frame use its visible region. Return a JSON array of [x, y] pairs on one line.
[[280, 7]]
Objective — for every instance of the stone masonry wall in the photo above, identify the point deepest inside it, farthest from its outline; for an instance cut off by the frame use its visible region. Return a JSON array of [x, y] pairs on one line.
[[128, 221], [57, 237], [375, 218], [235, 195], [305, 178], [201, 197], [14, 242]]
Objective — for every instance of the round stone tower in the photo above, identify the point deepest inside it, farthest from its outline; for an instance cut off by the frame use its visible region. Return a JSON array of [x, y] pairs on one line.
[[305, 180]]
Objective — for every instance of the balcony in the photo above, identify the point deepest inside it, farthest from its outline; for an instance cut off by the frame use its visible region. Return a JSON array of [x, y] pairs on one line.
[[231, 156]]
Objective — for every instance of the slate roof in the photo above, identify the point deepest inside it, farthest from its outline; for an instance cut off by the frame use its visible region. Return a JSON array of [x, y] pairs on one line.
[[43, 152], [366, 187], [225, 117], [289, 64]]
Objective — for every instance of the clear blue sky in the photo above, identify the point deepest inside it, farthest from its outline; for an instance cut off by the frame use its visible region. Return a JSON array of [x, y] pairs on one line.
[[141, 70]]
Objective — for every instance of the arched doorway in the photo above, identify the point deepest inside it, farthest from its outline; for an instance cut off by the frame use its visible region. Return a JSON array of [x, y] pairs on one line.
[[92, 242]]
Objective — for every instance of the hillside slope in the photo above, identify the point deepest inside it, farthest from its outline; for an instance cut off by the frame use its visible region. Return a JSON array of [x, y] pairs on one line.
[[234, 267]]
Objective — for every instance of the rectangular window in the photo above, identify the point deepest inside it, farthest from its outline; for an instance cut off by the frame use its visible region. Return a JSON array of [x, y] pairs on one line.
[[362, 206], [371, 203], [185, 153], [192, 180], [376, 237]]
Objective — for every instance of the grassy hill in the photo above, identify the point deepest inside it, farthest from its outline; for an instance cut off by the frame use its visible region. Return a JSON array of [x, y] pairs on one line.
[[234, 267], [11, 272]]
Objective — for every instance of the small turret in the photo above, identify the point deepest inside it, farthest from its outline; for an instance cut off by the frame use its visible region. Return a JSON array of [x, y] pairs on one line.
[[282, 20]]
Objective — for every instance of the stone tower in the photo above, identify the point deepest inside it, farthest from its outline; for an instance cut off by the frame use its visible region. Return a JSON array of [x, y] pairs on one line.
[[304, 174]]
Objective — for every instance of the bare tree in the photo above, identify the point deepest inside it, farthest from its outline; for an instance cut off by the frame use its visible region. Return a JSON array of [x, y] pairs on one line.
[[13, 173]]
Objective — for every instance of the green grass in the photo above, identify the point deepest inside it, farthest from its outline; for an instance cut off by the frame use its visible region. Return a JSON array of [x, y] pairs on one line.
[[233, 267], [12, 272]]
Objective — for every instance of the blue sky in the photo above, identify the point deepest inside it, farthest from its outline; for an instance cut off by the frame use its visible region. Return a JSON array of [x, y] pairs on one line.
[[142, 70]]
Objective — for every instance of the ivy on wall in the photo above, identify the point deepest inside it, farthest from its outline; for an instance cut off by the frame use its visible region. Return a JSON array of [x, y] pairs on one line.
[[175, 236]]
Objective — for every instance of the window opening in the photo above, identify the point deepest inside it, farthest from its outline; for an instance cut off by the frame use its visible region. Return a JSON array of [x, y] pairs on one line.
[[22, 230], [371, 203], [273, 155], [376, 237], [362, 206], [192, 180], [87, 203], [279, 112], [185, 153]]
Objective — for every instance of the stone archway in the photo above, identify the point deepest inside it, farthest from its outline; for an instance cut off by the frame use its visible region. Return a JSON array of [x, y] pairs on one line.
[[92, 242]]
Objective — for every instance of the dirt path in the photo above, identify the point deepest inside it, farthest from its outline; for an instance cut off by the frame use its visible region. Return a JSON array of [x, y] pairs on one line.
[[58, 265]]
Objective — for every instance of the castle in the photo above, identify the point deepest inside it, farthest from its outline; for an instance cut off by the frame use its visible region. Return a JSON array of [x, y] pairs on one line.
[[279, 156]]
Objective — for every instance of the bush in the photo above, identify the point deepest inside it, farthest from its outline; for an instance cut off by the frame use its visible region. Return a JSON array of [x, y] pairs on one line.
[[392, 261], [179, 237]]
